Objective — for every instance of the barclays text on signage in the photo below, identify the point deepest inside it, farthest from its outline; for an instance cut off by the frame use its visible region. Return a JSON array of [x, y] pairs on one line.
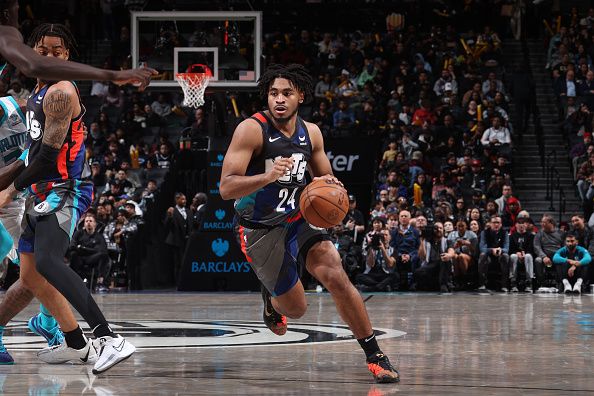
[[215, 191], [219, 161], [218, 225], [220, 266]]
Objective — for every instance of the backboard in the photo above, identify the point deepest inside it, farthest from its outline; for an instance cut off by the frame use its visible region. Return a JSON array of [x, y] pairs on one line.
[[228, 42]]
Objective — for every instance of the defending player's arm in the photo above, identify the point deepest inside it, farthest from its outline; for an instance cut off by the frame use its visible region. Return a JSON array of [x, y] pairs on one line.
[[32, 64], [246, 142], [59, 106]]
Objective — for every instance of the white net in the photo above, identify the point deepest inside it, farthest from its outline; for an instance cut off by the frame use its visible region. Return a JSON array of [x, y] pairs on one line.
[[193, 85]]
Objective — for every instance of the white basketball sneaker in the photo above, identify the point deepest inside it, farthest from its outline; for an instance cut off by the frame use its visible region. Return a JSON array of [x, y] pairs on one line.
[[111, 351], [63, 353]]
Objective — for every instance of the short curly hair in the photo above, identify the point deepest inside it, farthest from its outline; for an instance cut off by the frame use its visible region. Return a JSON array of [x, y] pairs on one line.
[[295, 73]]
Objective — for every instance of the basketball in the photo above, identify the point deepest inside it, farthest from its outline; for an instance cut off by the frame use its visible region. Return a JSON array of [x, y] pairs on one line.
[[324, 203]]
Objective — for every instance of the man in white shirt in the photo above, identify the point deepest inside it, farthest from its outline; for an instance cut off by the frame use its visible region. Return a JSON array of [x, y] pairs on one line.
[[497, 139]]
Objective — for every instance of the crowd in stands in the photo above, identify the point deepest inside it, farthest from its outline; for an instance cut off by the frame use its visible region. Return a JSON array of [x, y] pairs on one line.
[[569, 60], [128, 149], [444, 215]]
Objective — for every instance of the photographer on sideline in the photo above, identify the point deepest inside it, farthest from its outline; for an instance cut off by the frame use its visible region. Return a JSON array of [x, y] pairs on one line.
[[379, 274], [354, 223], [88, 250], [436, 260], [350, 253]]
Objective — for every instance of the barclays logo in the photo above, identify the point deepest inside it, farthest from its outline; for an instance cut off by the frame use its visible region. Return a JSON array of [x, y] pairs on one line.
[[215, 191], [219, 225], [220, 247], [219, 161]]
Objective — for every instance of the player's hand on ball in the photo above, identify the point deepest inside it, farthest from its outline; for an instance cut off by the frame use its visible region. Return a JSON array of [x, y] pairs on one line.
[[329, 178], [280, 168]]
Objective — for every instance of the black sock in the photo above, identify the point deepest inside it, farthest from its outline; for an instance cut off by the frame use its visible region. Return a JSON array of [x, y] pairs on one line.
[[103, 330], [369, 345], [75, 338]]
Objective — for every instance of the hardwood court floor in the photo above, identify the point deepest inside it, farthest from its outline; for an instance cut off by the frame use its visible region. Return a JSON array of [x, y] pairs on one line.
[[215, 344]]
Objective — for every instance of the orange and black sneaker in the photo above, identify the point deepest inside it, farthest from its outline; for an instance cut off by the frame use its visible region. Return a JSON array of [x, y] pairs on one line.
[[382, 369], [276, 322]]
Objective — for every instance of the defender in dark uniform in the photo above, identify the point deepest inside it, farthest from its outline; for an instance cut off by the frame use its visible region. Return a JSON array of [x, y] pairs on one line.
[[32, 64], [264, 171], [54, 161]]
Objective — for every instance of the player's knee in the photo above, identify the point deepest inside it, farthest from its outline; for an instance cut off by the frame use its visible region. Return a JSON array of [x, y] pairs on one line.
[[335, 280], [296, 311]]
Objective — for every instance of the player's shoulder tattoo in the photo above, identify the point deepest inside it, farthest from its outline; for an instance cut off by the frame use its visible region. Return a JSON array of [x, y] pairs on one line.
[[57, 106], [57, 102]]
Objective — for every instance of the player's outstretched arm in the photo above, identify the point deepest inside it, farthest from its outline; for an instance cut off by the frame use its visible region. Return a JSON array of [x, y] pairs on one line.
[[34, 65], [247, 143]]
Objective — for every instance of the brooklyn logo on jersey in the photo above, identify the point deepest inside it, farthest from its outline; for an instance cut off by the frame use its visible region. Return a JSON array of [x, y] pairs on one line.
[[295, 174], [172, 334]]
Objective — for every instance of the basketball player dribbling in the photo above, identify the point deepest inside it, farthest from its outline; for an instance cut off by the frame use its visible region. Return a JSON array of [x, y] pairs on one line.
[[57, 197], [13, 50], [264, 171]]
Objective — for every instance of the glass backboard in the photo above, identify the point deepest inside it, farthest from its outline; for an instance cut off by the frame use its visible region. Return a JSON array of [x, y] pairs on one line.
[[228, 42]]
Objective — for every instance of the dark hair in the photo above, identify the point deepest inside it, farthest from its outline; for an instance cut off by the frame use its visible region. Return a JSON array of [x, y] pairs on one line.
[[296, 74], [571, 234], [54, 30]]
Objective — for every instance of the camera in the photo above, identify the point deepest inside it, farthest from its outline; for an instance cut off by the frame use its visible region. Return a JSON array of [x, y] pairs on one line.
[[375, 240], [428, 232]]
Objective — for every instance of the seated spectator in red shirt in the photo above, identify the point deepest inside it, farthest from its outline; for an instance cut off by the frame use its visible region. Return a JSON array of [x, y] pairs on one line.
[[424, 114]]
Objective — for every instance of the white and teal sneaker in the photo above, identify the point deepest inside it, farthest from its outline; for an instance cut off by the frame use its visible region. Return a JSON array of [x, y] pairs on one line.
[[53, 336]]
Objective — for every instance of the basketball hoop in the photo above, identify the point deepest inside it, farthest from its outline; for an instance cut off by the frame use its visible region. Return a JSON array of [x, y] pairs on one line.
[[194, 84]]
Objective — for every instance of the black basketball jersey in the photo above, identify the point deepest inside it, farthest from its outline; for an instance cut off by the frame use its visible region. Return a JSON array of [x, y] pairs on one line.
[[278, 201], [64, 178]]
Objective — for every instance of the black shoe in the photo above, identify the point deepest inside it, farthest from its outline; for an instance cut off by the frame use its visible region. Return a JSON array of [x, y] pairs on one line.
[[382, 370], [276, 322], [444, 289]]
